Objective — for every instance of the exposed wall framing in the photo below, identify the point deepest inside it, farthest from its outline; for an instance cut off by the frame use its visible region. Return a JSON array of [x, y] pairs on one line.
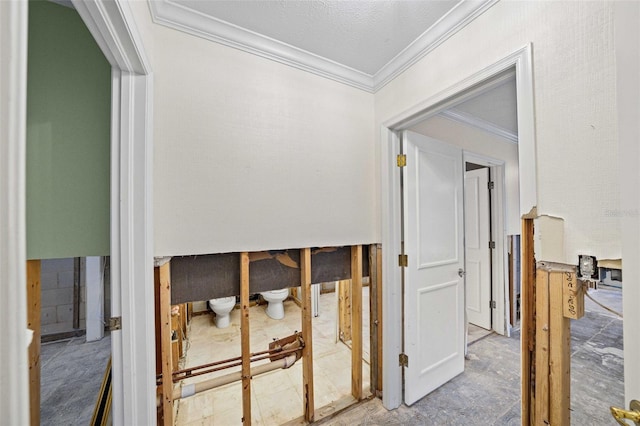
[[375, 317], [348, 264], [33, 323], [527, 337], [552, 296], [162, 276], [356, 322]]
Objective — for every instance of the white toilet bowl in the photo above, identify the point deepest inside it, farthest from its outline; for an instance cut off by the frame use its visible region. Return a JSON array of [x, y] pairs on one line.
[[222, 307], [275, 309]]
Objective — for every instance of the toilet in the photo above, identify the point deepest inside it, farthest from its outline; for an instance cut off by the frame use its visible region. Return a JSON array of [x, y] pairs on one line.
[[222, 307], [275, 309]]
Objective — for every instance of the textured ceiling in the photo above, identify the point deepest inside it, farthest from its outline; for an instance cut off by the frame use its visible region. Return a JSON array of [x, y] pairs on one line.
[[497, 106], [364, 35]]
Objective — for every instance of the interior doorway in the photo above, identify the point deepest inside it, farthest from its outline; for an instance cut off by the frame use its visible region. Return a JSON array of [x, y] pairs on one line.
[[517, 68], [478, 244]]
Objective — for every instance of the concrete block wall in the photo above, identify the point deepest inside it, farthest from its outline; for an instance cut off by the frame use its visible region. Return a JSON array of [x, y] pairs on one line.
[[56, 283]]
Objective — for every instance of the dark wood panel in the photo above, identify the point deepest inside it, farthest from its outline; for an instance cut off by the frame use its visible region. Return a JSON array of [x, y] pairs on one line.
[[211, 276]]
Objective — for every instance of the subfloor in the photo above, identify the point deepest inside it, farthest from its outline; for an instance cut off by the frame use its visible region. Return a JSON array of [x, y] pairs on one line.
[[487, 393], [277, 395]]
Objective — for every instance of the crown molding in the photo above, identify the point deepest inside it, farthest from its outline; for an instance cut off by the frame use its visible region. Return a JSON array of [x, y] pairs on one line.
[[455, 20], [187, 20], [479, 123], [182, 18]]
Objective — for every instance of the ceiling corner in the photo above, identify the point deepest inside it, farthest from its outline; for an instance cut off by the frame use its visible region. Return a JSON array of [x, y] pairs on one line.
[[455, 20], [182, 18]]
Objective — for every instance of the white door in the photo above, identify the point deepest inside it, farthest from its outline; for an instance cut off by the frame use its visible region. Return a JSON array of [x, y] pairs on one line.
[[433, 241], [476, 243]]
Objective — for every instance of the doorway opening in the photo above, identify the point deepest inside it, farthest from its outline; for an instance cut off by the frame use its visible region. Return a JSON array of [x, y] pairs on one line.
[[519, 190]]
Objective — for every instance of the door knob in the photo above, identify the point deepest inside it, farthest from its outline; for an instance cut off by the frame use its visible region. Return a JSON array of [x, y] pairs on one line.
[[632, 414], [461, 272]]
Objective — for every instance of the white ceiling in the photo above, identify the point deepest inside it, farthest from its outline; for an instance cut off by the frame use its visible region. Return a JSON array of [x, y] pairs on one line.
[[363, 35], [363, 43], [497, 106]]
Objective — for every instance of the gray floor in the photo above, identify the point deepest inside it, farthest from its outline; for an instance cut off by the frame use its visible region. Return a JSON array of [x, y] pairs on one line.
[[71, 377], [487, 393]]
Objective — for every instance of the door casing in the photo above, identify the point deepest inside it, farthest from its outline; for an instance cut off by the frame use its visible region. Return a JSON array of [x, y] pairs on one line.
[[521, 60]]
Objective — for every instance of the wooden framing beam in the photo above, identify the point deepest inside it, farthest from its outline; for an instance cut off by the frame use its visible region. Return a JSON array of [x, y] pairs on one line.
[[559, 351], [375, 317], [245, 338], [356, 322], [162, 276], [541, 414], [307, 336], [379, 317], [33, 323], [527, 291], [344, 310]]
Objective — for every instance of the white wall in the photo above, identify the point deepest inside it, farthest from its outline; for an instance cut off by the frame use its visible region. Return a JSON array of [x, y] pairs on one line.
[[574, 83], [483, 143], [251, 154]]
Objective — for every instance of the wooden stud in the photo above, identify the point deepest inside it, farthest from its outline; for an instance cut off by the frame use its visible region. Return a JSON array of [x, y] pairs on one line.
[[158, 331], [356, 322], [527, 291], [33, 323], [307, 352], [573, 297], [184, 319], [542, 348], [162, 275], [559, 351], [379, 315], [344, 310], [245, 338], [375, 317]]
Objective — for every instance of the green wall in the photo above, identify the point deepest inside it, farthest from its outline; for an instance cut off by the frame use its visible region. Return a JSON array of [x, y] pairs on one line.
[[68, 137]]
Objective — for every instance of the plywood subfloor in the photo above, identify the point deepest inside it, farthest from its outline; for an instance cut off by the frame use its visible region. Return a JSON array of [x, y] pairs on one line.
[[276, 396]]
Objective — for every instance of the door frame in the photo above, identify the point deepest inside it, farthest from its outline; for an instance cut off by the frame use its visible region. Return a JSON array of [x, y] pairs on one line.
[[392, 325], [112, 25], [499, 258]]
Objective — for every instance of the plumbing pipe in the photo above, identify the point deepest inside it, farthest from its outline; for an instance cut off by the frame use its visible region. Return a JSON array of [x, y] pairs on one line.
[[194, 388]]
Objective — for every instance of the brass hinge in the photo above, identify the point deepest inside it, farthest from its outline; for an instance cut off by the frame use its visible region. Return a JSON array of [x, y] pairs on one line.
[[491, 185], [492, 304], [115, 323], [492, 244], [403, 359], [403, 260], [402, 160]]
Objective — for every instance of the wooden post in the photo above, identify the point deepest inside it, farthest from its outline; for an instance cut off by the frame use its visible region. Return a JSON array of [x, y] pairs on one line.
[[379, 315], [344, 310], [244, 338], [33, 323], [356, 322], [307, 351], [542, 349], [162, 275], [375, 317], [559, 351], [527, 291]]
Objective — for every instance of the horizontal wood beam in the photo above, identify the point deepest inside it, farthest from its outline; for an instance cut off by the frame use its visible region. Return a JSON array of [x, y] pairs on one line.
[[192, 277]]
